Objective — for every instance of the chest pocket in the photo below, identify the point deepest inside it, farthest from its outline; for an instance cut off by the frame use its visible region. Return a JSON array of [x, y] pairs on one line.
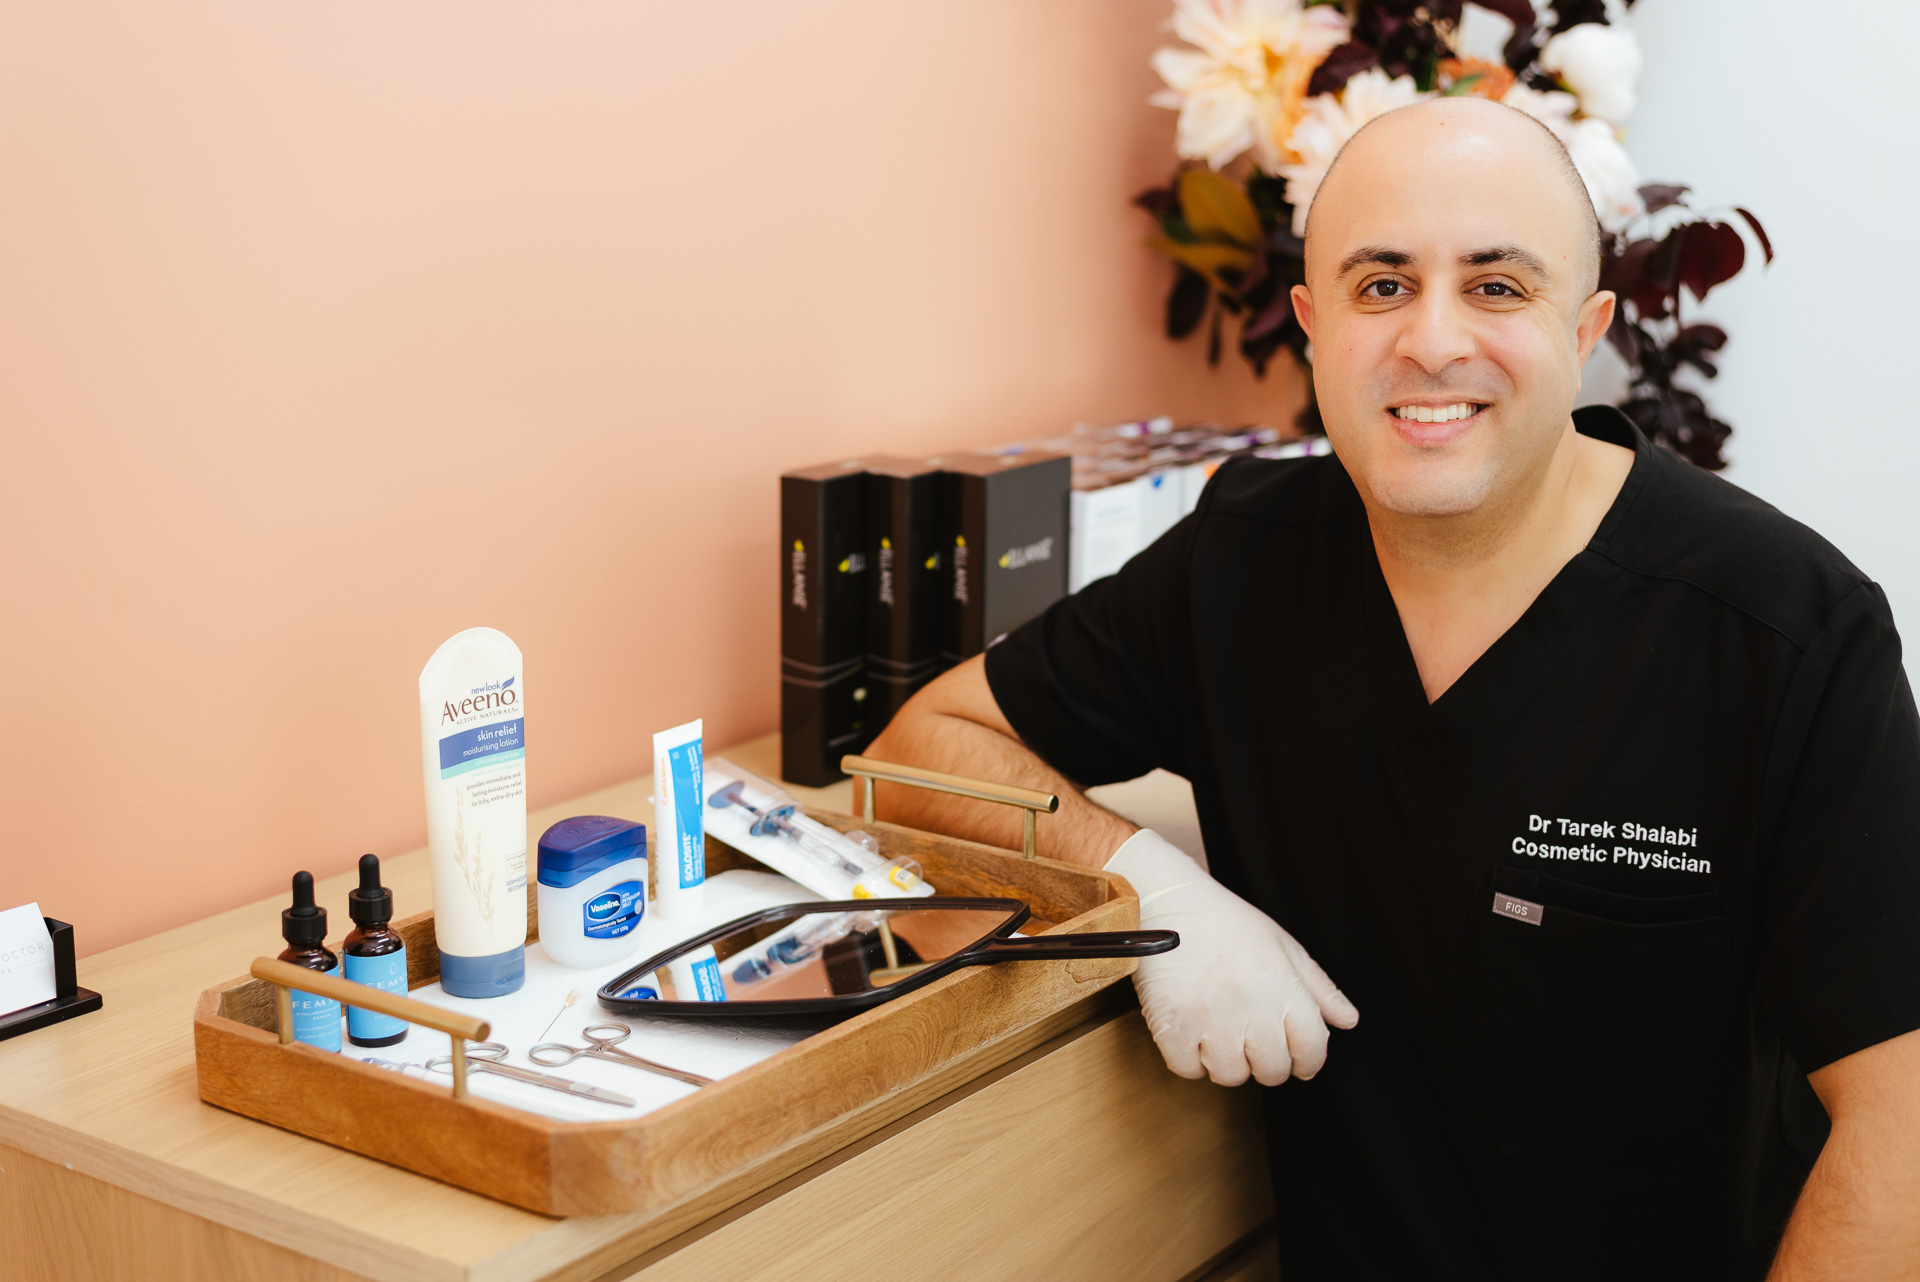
[[1599, 1031]]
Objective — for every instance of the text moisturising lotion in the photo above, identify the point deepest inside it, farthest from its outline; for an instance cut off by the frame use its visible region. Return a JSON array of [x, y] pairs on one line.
[[474, 753]]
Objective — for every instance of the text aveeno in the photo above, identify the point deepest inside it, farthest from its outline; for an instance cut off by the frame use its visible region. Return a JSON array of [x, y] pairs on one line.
[[492, 700]]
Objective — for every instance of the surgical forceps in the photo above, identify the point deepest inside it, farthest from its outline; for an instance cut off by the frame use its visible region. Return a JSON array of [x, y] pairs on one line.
[[601, 1039]]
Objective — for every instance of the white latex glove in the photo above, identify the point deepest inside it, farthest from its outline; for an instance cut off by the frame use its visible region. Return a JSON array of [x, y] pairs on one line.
[[1238, 995]]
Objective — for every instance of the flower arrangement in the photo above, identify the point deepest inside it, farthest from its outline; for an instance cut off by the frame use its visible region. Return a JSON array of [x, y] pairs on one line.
[[1270, 90]]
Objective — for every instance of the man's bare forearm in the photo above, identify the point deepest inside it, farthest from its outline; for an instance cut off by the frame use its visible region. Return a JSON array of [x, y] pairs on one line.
[[1859, 1216], [954, 725]]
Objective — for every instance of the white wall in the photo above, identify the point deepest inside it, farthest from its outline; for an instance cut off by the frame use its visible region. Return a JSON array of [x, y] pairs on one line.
[[1805, 114]]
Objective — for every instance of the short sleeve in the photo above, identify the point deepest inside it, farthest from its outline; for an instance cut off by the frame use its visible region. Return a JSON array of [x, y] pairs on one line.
[[1839, 947], [1100, 685]]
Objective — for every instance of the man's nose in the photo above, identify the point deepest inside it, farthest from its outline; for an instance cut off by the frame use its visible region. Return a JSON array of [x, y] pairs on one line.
[[1438, 332]]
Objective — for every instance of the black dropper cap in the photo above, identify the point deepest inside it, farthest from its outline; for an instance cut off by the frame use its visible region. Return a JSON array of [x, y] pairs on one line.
[[372, 904], [306, 922]]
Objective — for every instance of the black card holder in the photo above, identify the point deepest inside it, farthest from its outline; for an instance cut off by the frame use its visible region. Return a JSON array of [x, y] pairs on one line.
[[69, 999]]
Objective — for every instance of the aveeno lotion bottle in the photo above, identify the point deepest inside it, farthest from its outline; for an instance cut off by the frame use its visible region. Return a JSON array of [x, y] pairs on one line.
[[474, 748]]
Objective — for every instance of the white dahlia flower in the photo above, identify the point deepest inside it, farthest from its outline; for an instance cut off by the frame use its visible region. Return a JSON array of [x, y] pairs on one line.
[[1240, 88], [1600, 63], [1612, 182], [1330, 120]]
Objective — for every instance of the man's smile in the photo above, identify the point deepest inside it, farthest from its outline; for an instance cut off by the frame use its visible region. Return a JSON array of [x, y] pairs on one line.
[[1437, 413], [1429, 425]]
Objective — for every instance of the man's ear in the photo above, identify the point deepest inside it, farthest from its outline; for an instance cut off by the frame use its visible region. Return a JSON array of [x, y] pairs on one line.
[[1596, 315], [1303, 309]]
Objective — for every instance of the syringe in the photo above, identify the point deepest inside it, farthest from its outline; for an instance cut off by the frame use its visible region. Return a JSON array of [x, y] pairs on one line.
[[777, 820]]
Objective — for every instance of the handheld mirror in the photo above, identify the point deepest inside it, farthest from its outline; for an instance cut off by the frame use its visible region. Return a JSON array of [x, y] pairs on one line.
[[843, 956]]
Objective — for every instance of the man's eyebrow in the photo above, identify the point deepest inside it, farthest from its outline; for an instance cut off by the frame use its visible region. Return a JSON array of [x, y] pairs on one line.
[[1505, 254], [1378, 254]]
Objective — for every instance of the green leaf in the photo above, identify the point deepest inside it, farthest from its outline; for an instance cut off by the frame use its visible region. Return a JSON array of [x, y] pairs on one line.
[[1208, 260], [1217, 209]]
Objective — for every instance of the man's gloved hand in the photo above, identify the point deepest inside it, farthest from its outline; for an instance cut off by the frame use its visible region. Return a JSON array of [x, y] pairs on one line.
[[1238, 995]]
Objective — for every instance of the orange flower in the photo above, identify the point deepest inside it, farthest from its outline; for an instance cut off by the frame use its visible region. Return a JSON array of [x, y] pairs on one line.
[[1475, 77]]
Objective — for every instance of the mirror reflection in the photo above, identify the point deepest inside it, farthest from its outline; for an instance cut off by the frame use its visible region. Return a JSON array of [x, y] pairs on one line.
[[816, 955]]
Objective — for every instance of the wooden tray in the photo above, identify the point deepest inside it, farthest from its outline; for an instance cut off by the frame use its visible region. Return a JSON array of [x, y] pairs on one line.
[[747, 1130]]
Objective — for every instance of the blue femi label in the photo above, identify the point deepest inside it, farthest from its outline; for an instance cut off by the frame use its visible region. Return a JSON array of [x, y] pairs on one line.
[[689, 853], [388, 973], [614, 911], [706, 981], [316, 1020]]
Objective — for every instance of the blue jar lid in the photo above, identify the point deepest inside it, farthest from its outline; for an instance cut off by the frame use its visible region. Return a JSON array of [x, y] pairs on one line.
[[575, 849]]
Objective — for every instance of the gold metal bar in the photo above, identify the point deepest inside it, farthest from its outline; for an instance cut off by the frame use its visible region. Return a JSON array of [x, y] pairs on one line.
[[285, 975], [459, 1068], [1030, 800], [283, 1011], [978, 789]]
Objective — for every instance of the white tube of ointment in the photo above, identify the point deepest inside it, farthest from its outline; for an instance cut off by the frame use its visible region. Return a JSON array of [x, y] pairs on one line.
[[678, 867]]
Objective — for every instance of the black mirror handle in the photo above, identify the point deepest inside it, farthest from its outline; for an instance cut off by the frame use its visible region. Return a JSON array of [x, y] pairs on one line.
[[1110, 943]]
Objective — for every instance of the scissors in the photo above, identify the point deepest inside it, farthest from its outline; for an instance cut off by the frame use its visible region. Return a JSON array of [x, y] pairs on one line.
[[485, 1057], [602, 1038]]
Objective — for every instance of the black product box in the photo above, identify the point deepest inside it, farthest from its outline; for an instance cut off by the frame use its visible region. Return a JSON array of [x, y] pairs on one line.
[[903, 581], [1007, 524], [823, 620]]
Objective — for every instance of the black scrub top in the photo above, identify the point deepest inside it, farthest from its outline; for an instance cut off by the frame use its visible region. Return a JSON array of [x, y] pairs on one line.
[[1602, 905]]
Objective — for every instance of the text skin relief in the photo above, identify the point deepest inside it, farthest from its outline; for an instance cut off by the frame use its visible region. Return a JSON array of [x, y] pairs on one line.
[[473, 753], [679, 862]]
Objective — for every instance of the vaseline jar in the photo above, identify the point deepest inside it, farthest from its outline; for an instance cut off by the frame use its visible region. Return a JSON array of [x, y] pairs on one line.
[[593, 889]]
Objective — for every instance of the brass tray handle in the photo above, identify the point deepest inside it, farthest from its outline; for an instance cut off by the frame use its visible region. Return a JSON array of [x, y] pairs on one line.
[[1006, 794], [285, 976]]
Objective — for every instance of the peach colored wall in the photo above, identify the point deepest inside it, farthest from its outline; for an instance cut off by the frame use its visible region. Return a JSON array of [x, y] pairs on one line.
[[329, 330]]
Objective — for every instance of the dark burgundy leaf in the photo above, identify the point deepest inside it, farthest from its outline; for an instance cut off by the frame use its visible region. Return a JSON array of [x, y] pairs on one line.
[[1256, 277], [1659, 195], [1705, 338], [1272, 317], [1340, 66], [1282, 241], [1571, 13], [1519, 12], [1186, 302], [1710, 254], [1521, 48], [1155, 200], [1268, 196], [1624, 337], [1621, 267], [1644, 275], [1766, 245], [1259, 352]]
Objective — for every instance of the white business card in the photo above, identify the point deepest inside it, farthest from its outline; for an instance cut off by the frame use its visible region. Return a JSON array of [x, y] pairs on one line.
[[26, 959]]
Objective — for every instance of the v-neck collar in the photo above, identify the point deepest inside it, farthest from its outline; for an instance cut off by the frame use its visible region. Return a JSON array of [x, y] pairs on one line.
[[1518, 657]]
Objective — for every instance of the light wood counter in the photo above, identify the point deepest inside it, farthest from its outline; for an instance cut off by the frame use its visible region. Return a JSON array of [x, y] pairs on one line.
[[1083, 1158]]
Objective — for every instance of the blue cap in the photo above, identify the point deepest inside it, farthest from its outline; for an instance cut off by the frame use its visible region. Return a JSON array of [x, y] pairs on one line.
[[574, 849], [491, 976]]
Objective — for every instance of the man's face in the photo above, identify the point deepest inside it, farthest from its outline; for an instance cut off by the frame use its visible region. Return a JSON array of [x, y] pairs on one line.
[[1447, 282]]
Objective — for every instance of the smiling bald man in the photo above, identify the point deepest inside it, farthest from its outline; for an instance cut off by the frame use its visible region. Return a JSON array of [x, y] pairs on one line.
[[1593, 781]]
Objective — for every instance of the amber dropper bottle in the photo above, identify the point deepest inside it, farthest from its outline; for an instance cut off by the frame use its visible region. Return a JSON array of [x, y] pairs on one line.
[[376, 955], [316, 1020]]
